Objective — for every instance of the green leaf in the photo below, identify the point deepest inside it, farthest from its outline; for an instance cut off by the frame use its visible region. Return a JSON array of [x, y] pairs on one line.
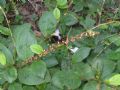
[[62, 4], [68, 79], [116, 24], [47, 78], [104, 66], [36, 48], [56, 13], [108, 68], [5, 30], [118, 65], [105, 87], [33, 74], [78, 5], [84, 70], [47, 23], [50, 4], [91, 85], [114, 80], [15, 86], [2, 80], [87, 23], [81, 54], [3, 3], [50, 61], [42, 86], [70, 19], [10, 74], [8, 54], [65, 64], [114, 55], [2, 58], [29, 88], [24, 1], [104, 26], [1, 17], [115, 39], [24, 38], [1, 89], [51, 87], [61, 53]]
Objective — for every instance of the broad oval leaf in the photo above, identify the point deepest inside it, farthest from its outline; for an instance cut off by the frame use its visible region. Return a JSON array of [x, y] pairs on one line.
[[2, 58], [36, 48], [52, 87], [104, 26], [5, 30], [104, 66], [106, 87], [70, 19], [91, 85], [29, 88], [50, 61], [81, 54], [10, 74], [47, 23], [3, 3], [68, 79], [56, 13], [78, 5], [24, 38], [115, 39], [114, 55], [62, 4], [114, 80], [33, 74], [8, 54], [88, 22], [116, 24], [84, 70], [15, 86]]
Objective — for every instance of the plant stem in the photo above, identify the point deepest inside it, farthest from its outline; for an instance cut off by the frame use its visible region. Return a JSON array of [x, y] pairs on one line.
[[8, 25], [88, 33]]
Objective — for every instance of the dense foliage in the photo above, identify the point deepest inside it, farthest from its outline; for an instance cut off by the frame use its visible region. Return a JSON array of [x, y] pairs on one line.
[[87, 57]]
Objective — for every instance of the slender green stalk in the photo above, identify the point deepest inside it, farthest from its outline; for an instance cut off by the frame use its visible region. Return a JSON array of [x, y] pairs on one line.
[[8, 24], [104, 24]]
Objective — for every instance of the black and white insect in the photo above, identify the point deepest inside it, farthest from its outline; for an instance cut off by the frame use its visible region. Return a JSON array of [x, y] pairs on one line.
[[56, 36]]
